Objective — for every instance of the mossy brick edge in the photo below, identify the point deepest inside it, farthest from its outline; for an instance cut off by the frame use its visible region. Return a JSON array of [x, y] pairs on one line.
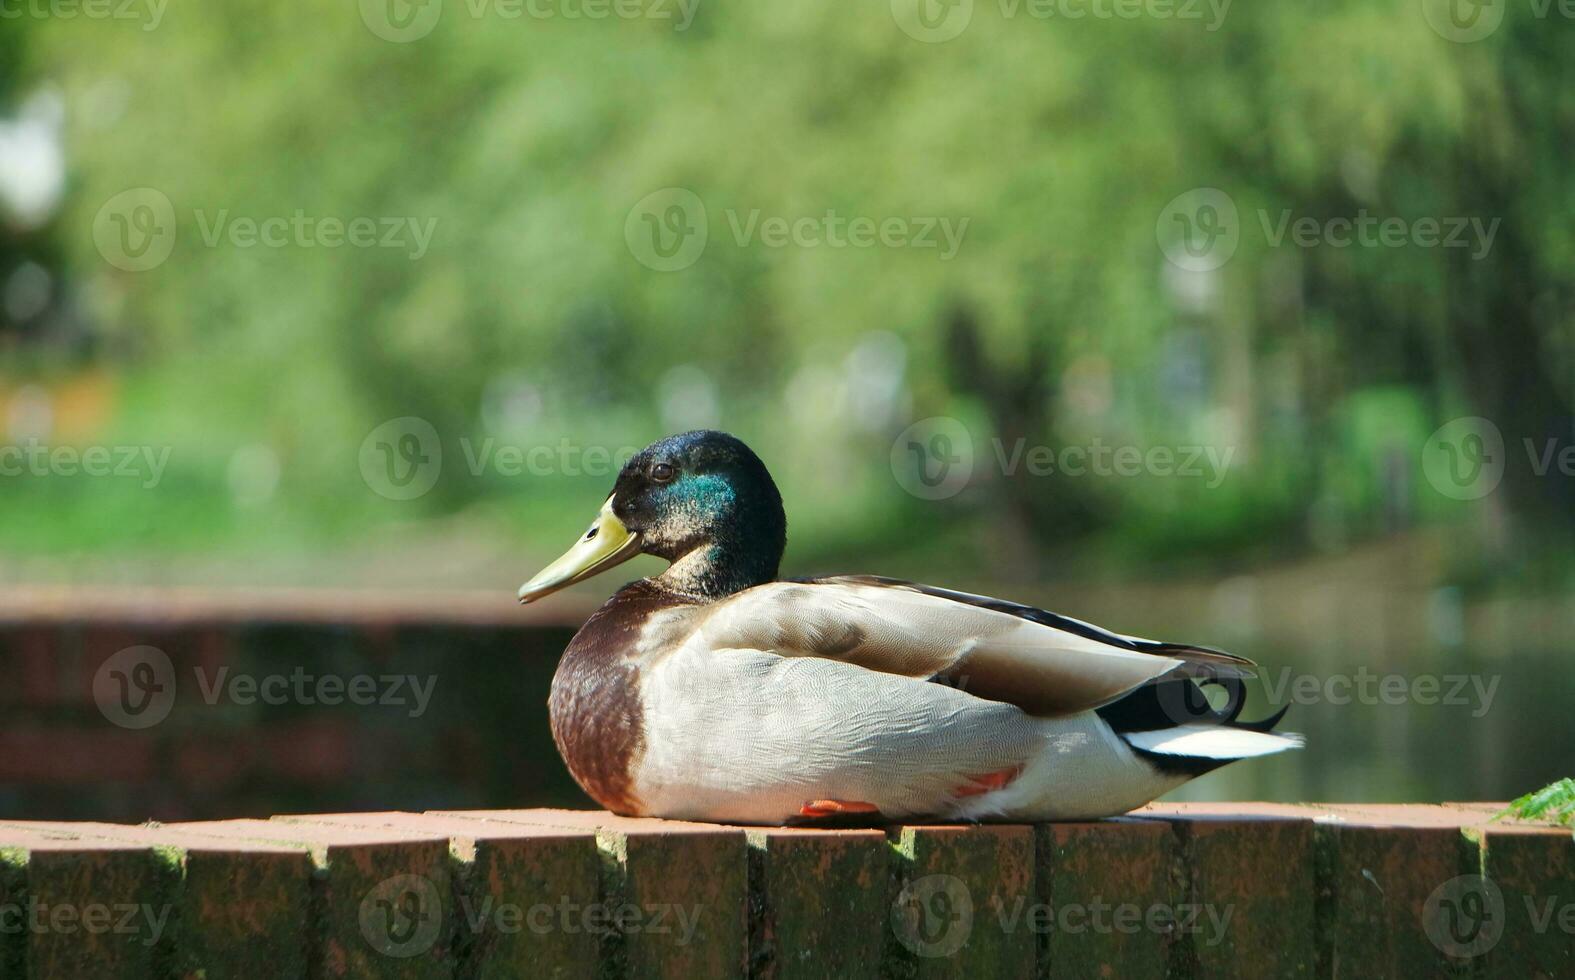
[[1298, 891]]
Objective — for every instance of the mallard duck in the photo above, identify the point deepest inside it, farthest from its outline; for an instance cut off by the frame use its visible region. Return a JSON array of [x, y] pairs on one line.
[[717, 692]]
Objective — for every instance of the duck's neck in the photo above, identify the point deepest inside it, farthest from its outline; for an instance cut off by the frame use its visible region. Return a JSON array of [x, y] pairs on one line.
[[717, 569]]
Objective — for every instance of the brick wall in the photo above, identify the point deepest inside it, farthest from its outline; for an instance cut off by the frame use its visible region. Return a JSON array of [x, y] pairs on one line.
[[130, 706], [1218, 890]]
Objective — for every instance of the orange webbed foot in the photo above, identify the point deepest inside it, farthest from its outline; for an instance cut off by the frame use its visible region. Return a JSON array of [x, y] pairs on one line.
[[828, 808]]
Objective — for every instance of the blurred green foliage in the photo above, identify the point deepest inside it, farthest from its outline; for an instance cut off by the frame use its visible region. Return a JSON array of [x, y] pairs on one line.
[[1058, 321]]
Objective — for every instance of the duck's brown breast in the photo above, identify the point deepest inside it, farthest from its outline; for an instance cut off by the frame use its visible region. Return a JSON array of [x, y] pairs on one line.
[[595, 707]]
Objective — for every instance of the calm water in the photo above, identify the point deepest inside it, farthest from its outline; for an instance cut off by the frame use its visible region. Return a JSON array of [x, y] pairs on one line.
[[1403, 694]]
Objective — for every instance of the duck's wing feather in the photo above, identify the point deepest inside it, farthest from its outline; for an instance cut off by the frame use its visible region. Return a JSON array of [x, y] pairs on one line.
[[1042, 662]]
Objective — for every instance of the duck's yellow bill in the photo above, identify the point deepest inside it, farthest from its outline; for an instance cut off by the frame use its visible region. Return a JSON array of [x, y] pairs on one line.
[[606, 544]]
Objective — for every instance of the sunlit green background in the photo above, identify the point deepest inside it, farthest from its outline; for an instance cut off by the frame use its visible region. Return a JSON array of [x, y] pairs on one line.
[[527, 145]]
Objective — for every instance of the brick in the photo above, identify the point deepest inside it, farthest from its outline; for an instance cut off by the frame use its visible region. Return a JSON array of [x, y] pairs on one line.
[[820, 901], [1378, 865], [524, 891], [212, 762], [693, 875], [75, 756], [1338, 890], [13, 895], [28, 656], [1254, 863], [1084, 870], [239, 902], [381, 897], [166, 608], [964, 900], [86, 908], [312, 750], [1534, 870]]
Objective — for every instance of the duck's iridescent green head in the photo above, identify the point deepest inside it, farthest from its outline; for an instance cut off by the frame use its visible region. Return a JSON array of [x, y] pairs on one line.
[[703, 500]]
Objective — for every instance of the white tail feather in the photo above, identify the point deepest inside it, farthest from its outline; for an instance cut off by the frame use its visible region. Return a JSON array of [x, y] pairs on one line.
[[1212, 742]]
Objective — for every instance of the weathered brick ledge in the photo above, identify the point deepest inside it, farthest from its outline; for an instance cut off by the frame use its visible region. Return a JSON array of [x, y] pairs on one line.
[[1199, 890]]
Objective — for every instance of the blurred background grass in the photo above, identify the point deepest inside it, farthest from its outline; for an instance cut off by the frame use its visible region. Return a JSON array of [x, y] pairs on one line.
[[531, 322]]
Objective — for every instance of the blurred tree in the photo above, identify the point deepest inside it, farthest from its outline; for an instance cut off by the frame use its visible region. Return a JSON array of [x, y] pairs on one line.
[[35, 329], [530, 143]]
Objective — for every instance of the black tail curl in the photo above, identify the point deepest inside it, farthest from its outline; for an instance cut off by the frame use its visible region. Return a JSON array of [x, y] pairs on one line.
[[1182, 701]]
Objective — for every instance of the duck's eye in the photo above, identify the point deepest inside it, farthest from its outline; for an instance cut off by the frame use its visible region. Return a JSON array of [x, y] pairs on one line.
[[663, 472]]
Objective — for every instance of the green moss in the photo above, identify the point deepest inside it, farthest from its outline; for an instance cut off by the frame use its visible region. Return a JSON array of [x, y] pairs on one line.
[[613, 849], [1553, 803]]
